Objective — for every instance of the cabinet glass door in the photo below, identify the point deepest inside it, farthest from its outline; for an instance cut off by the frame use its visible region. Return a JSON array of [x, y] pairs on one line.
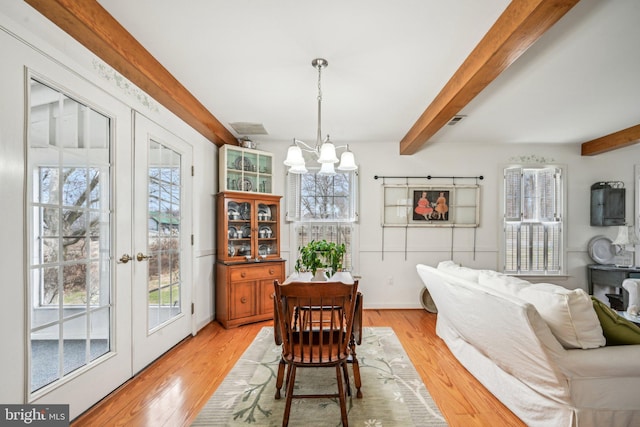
[[267, 240], [239, 229], [246, 170]]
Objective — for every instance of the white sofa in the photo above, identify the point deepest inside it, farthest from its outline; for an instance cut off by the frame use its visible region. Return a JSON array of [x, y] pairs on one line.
[[505, 342]]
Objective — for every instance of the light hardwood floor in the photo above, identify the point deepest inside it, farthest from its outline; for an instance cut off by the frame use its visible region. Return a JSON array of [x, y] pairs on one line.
[[172, 390]]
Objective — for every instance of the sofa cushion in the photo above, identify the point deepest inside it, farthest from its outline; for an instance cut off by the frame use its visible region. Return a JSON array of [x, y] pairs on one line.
[[510, 285], [569, 313], [459, 271], [617, 330]]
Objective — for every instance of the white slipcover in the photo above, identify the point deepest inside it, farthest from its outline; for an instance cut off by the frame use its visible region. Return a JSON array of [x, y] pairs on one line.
[[505, 343]]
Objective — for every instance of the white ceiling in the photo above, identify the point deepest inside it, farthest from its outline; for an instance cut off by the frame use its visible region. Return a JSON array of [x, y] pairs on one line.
[[250, 61]]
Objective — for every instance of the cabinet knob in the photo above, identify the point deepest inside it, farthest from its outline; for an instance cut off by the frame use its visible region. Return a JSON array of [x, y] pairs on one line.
[[243, 300], [243, 274], [271, 271]]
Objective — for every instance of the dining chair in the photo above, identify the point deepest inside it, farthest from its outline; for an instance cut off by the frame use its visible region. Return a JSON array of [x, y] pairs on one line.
[[315, 325]]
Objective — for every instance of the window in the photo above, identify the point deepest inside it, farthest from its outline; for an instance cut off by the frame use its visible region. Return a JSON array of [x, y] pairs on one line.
[[323, 207], [533, 220]]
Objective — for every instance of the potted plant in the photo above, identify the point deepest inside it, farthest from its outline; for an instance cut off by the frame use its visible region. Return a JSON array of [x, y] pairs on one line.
[[320, 255]]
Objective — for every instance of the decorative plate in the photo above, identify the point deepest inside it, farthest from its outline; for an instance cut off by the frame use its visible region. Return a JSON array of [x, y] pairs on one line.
[[233, 232], [231, 250], [233, 214], [264, 212], [265, 228], [242, 163], [265, 231], [245, 211], [246, 231], [264, 250], [601, 250], [245, 185]]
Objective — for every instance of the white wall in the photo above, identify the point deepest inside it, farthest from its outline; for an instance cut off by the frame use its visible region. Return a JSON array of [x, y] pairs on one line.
[[389, 279]]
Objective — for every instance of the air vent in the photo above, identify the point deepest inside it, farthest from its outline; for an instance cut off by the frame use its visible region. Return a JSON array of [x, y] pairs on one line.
[[245, 128], [455, 120]]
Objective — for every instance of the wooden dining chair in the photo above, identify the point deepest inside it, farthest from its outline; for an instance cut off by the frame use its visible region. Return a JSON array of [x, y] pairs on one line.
[[322, 340]]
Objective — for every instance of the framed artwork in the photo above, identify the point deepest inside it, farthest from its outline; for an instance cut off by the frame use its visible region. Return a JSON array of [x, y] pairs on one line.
[[431, 204]]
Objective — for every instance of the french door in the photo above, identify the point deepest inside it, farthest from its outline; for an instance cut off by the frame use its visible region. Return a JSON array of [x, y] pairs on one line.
[[162, 241], [109, 243], [79, 329]]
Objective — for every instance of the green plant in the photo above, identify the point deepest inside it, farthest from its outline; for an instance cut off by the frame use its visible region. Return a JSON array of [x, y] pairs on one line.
[[320, 254]]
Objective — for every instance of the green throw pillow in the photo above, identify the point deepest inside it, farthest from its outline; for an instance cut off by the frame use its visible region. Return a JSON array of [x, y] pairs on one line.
[[616, 329]]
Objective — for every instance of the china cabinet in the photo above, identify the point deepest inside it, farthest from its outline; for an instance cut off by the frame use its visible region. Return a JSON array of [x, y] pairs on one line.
[[248, 256], [245, 169]]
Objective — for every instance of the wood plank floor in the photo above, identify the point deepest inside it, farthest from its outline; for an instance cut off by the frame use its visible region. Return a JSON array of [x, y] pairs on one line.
[[172, 390]]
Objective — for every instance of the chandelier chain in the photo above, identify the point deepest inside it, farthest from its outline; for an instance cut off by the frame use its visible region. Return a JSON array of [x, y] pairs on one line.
[[319, 135]]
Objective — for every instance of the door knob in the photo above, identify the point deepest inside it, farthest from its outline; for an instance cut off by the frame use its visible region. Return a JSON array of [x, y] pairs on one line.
[[141, 257], [124, 259]]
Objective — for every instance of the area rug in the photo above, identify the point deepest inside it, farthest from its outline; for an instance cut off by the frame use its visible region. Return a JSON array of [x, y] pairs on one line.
[[393, 393]]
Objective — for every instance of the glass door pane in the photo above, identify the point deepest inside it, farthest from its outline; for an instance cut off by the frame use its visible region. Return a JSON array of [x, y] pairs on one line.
[[70, 300], [163, 238]]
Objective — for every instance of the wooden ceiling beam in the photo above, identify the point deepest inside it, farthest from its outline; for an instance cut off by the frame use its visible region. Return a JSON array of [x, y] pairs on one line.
[[92, 26], [521, 24], [613, 141]]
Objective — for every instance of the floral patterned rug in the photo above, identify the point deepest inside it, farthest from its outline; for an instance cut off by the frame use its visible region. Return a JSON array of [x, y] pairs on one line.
[[393, 393]]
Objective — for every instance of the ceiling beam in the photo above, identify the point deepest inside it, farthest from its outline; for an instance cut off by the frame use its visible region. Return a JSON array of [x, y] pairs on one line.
[[521, 24], [91, 25], [622, 138]]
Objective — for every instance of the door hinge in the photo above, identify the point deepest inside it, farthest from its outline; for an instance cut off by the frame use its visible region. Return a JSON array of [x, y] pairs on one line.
[[193, 170], [192, 240], [193, 308]]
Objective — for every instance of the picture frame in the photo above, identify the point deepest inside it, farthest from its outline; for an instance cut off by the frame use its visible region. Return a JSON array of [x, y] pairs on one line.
[[431, 205], [400, 202]]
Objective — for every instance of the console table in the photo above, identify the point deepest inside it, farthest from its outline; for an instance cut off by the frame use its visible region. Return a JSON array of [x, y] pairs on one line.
[[610, 275]]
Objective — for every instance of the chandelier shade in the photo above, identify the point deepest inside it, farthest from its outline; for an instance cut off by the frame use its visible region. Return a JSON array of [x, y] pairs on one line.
[[325, 152], [294, 156], [298, 169], [347, 161], [327, 169]]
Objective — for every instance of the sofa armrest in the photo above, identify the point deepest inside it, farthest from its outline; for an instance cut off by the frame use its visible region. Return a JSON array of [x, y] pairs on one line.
[[612, 361]]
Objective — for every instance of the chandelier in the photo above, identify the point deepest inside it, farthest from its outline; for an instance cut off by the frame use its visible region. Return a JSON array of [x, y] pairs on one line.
[[324, 150]]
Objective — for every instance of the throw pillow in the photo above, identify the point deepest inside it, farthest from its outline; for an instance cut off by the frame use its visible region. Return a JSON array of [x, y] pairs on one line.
[[568, 312], [617, 330]]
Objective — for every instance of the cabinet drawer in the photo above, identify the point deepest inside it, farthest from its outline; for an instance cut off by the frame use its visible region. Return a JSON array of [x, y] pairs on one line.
[[608, 278], [255, 272]]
